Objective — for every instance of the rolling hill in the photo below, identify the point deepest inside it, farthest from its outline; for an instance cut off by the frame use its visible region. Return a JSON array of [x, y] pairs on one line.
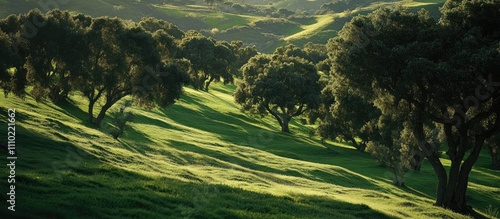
[[203, 158], [228, 23]]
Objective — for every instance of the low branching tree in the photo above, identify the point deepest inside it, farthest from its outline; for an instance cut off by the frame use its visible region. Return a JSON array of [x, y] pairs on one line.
[[283, 86], [427, 66], [123, 60], [210, 59], [350, 116]]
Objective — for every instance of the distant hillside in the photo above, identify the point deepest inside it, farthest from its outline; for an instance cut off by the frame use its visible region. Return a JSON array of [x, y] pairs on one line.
[[305, 5], [266, 24]]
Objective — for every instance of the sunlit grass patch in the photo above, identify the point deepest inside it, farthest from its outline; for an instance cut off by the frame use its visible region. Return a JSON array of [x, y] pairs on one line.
[[202, 157]]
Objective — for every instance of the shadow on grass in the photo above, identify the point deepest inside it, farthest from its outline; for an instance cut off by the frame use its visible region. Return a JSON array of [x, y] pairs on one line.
[[98, 190], [218, 157], [339, 177], [69, 108], [229, 128], [85, 186]]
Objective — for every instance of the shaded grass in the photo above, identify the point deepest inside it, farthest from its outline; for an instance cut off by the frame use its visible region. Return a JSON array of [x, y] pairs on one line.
[[99, 188], [203, 158]]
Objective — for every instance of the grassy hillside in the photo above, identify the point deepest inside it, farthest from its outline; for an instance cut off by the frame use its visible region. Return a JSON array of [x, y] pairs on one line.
[[270, 34], [203, 158], [305, 5]]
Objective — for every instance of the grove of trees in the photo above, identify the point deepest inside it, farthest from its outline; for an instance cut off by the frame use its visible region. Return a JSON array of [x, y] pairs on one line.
[[424, 75], [107, 59], [398, 84], [281, 84]]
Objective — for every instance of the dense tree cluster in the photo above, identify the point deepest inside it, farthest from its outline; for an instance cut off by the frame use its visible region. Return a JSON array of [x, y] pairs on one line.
[[107, 59], [283, 84], [418, 83], [242, 8], [395, 83]]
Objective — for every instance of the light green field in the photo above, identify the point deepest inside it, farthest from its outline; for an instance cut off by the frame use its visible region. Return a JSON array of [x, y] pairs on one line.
[[214, 19], [203, 158], [321, 22]]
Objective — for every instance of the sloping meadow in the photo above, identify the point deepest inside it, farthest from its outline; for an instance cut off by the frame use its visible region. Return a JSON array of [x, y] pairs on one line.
[[203, 158]]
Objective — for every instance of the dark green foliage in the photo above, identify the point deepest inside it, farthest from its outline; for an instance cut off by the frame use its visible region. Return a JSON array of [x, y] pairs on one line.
[[468, 14], [348, 116], [210, 60], [164, 84], [166, 35], [104, 58], [284, 86], [152, 25], [316, 53], [120, 119], [13, 56], [54, 58], [8, 57], [243, 54], [416, 71]]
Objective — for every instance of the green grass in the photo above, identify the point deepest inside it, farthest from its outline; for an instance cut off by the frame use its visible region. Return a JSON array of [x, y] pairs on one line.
[[327, 26], [214, 19], [203, 158], [308, 30]]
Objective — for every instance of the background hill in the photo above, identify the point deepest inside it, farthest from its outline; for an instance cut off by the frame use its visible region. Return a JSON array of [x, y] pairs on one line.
[[255, 22], [203, 158]]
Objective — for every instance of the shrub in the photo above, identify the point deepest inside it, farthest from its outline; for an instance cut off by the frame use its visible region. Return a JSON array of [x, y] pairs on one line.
[[120, 120]]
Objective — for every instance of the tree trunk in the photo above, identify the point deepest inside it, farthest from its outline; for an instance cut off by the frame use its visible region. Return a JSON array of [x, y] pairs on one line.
[[207, 84], [282, 118], [495, 162], [442, 178], [458, 202], [102, 113], [451, 188], [417, 159], [284, 124], [93, 98], [432, 156], [65, 93], [359, 147], [91, 111], [398, 177]]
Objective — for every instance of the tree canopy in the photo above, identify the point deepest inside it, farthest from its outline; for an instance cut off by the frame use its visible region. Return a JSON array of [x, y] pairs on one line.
[[210, 60], [104, 58], [414, 68], [8, 58], [284, 86]]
